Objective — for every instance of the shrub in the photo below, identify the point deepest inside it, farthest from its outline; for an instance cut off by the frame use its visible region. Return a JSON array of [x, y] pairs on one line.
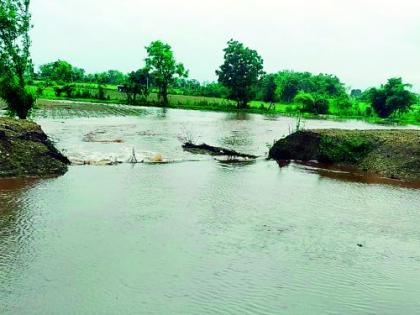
[[40, 90], [68, 90], [58, 91], [344, 104], [315, 104], [304, 99], [391, 98], [101, 93], [369, 111], [321, 105], [19, 99]]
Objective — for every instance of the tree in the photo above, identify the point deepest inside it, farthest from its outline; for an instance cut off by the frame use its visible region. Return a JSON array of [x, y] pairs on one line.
[[59, 70], [15, 62], [78, 74], [163, 67], [137, 84], [391, 98], [269, 87], [291, 83], [312, 103], [290, 89], [115, 77], [214, 89], [356, 93], [240, 72]]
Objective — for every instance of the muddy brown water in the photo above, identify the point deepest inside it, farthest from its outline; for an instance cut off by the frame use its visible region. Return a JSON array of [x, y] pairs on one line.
[[201, 237]]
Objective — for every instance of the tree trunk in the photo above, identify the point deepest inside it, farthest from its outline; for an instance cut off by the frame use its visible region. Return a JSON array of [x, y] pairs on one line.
[[242, 104], [22, 113], [164, 95]]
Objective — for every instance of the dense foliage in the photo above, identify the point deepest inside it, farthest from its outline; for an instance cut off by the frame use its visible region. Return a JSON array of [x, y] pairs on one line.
[[15, 62], [240, 72], [163, 67], [290, 83], [391, 98], [240, 78], [137, 84], [61, 72]]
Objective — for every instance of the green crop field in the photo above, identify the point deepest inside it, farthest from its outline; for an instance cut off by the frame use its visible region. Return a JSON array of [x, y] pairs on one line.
[[358, 109]]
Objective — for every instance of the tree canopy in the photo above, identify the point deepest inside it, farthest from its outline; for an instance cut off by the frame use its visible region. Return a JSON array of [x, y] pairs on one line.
[[240, 72], [391, 98], [60, 71], [163, 67], [15, 61], [137, 83], [290, 83]]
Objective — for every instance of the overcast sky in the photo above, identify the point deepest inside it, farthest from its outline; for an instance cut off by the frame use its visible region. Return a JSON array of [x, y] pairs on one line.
[[364, 42]]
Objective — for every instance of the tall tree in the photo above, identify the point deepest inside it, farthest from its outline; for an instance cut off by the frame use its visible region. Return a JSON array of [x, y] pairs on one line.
[[15, 62], [137, 83], [269, 87], [240, 72], [163, 67]]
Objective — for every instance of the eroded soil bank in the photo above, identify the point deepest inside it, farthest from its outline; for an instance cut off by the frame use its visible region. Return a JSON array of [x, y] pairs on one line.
[[389, 153], [25, 150]]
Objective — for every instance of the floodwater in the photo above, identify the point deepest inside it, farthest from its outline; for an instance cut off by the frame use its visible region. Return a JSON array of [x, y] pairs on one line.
[[200, 237]]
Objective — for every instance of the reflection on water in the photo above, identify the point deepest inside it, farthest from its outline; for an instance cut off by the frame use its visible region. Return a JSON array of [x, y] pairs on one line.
[[16, 228], [239, 116], [203, 237], [353, 175]]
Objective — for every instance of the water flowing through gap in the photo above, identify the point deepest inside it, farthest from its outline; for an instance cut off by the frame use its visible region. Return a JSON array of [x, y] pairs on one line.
[[198, 236]]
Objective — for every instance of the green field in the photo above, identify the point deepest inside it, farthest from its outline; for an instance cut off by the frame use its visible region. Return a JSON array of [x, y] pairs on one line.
[[358, 110]]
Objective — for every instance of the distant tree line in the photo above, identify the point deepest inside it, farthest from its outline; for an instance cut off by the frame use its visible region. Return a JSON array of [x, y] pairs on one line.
[[62, 72], [241, 77]]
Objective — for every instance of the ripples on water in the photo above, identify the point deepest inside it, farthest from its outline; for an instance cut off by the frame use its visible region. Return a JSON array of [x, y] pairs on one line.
[[203, 238]]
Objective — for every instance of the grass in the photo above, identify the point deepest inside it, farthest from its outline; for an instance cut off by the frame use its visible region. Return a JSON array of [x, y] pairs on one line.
[[388, 153], [357, 110]]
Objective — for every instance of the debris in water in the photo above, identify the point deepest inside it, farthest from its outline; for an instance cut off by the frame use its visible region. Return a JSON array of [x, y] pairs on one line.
[[102, 162], [133, 158], [216, 151], [157, 158], [233, 159], [93, 137]]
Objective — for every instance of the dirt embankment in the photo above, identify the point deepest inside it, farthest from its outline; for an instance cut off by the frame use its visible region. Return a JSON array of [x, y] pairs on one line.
[[388, 153], [25, 150]]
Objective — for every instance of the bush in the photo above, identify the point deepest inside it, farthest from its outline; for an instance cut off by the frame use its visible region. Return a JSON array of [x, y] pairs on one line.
[[391, 98], [321, 106], [344, 104], [304, 99], [19, 100], [101, 93], [58, 91], [315, 104], [40, 90], [68, 90]]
